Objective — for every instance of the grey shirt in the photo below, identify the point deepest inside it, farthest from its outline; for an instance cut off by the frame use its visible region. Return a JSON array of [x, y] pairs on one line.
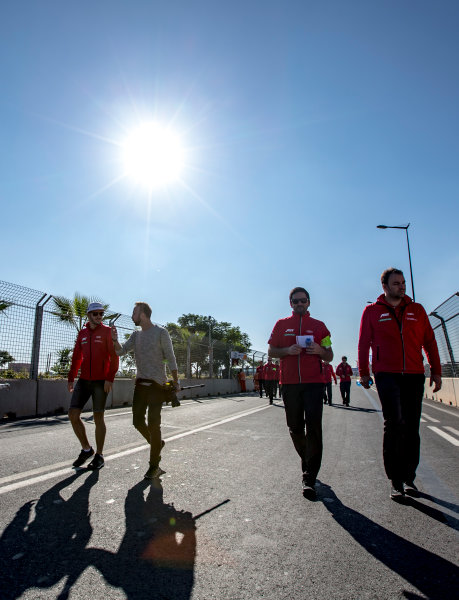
[[152, 350]]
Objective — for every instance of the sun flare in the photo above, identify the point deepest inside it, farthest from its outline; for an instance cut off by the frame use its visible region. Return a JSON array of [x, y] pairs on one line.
[[153, 155]]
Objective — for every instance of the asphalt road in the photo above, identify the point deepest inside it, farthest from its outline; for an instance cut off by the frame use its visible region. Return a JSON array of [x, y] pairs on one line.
[[228, 519]]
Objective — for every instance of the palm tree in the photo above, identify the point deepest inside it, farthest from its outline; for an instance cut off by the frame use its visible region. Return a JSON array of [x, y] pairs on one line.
[[74, 311], [4, 304]]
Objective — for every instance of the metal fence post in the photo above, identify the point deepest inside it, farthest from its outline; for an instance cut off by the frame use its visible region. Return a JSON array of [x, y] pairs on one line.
[[188, 358], [448, 343], [35, 358]]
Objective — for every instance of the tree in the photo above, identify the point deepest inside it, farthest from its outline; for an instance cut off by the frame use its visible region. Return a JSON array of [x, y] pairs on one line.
[[128, 361], [223, 335], [73, 311], [62, 365], [5, 358], [182, 338], [4, 305]]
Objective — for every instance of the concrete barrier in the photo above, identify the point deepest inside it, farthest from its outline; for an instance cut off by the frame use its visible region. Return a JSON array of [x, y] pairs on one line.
[[449, 393], [29, 398]]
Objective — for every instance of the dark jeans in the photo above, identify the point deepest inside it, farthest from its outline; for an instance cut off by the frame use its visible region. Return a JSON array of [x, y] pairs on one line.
[[345, 389], [261, 384], [303, 409], [149, 397], [269, 389], [401, 401], [328, 393]]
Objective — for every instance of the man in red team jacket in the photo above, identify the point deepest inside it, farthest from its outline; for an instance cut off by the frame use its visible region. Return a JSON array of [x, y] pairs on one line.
[[344, 372], [328, 374], [302, 343], [270, 378], [260, 379], [397, 329], [95, 353]]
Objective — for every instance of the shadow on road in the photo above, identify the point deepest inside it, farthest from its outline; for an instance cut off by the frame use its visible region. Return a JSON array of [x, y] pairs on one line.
[[157, 555], [433, 576], [46, 541], [355, 408]]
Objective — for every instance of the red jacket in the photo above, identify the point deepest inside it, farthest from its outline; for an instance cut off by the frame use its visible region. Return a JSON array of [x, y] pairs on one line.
[[344, 372], [270, 372], [259, 372], [329, 373], [396, 337], [301, 368], [95, 353]]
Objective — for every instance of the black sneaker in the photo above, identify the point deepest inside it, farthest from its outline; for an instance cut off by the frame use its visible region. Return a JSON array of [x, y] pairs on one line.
[[96, 463], [397, 492], [83, 457], [411, 489], [154, 473], [308, 491]]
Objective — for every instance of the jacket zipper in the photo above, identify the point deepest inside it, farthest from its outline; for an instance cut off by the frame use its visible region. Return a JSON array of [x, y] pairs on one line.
[[299, 365], [400, 328]]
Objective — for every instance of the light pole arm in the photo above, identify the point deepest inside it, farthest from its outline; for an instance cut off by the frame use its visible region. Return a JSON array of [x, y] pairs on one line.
[[411, 268]]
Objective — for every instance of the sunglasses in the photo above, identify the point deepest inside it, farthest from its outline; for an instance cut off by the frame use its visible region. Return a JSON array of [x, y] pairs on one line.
[[302, 300], [97, 313]]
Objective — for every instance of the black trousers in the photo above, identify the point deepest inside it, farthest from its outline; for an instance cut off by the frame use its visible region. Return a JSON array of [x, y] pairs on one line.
[[345, 389], [269, 388], [303, 409], [149, 397], [401, 401], [328, 393], [261, 386]]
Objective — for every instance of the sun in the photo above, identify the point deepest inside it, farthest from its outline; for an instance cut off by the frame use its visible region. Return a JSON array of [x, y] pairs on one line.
[[153, 155]]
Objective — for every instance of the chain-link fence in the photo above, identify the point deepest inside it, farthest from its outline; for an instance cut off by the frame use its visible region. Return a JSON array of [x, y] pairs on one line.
[[445, 322], [35, 342]]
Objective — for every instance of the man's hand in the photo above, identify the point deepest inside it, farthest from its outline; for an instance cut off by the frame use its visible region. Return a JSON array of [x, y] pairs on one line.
[[295, 349], [435, 379], [177, 386], [365, 381], [114, 333], [108, 386], [314, 348], [70, 386]]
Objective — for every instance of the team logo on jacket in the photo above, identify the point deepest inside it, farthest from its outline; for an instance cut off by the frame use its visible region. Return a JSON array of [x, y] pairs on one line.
[[287, 330]]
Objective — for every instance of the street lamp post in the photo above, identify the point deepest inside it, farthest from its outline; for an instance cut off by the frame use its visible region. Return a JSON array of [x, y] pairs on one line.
[[211, 353], [405, 227]]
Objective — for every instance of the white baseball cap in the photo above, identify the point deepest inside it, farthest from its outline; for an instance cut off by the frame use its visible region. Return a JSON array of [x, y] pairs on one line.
[[95, 306]]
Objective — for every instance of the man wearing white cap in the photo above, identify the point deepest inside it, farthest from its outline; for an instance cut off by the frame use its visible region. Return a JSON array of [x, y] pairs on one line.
[[95, 354]]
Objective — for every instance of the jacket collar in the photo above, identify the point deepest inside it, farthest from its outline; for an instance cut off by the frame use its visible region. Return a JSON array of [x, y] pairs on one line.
[[294, 314], [405, 300]]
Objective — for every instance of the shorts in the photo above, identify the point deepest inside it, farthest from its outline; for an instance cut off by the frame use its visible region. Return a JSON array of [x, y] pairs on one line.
[[84, 389]]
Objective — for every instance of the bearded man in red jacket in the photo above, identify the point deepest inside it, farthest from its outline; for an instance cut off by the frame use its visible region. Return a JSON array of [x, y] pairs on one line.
[[397, 330], [301, 343], [95, 354]]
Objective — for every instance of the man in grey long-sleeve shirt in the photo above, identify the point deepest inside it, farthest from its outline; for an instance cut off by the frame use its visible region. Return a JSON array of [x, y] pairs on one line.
[[152, 347]]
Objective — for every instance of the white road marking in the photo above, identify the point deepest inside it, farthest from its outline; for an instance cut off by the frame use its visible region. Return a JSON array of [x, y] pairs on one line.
[[430, 418], [69, 470], [455, 431], [444, 435], [453, 412], [423, 421]]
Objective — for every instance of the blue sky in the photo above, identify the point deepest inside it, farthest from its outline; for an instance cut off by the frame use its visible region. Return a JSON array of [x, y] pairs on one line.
[[305, 125]]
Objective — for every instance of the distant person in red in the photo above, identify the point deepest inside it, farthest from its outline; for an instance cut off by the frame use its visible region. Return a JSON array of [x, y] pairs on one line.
[[328, 373], [260, 370], [344, 372], [95, 354], [270, 376], [241, 378], [397, 330]]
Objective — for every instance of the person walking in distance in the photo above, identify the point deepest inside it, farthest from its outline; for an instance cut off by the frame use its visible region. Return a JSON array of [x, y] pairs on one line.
[[328, 373], [344, 372], [302, 343], [152, 347], [242, 378], [95, 354], [261, 382], [397, 330], [269, 377]]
